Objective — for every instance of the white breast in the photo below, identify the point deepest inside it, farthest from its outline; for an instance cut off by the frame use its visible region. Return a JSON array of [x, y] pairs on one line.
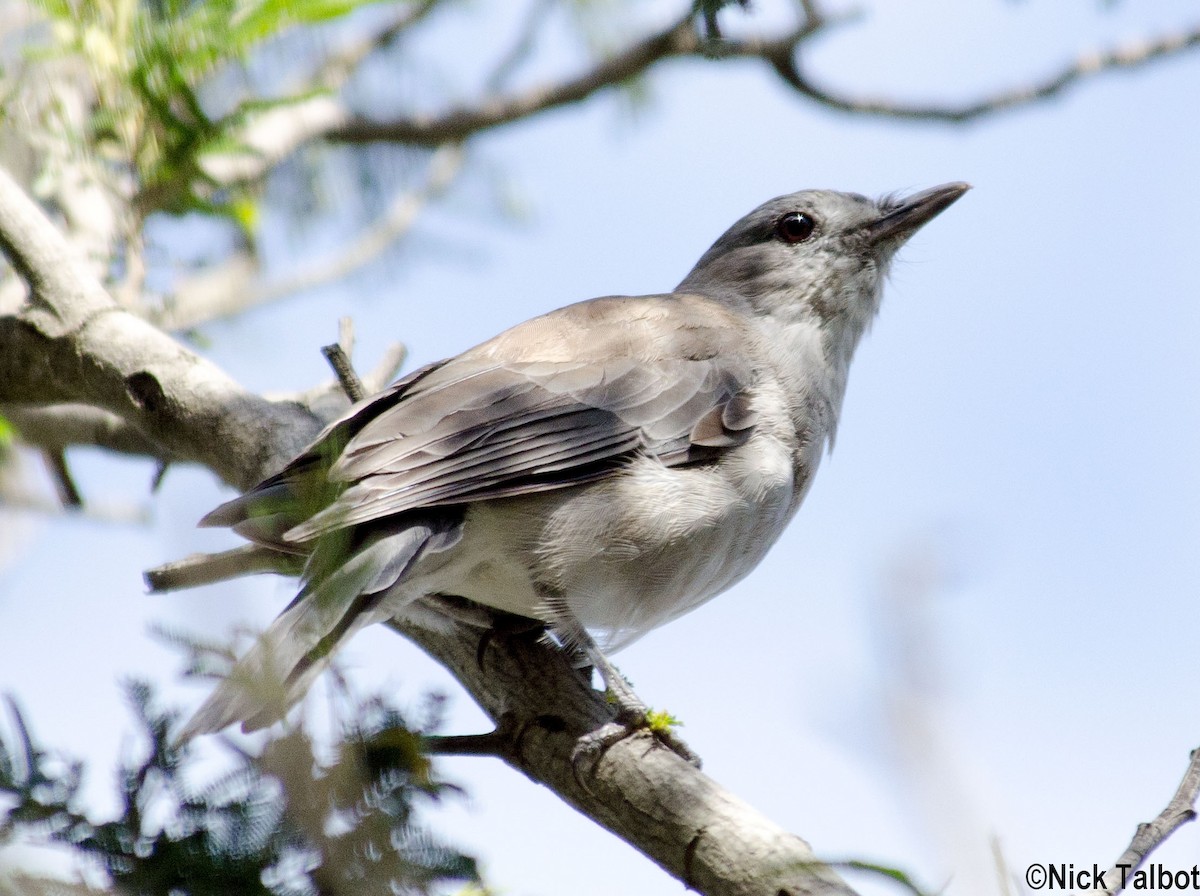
[[634, 551]]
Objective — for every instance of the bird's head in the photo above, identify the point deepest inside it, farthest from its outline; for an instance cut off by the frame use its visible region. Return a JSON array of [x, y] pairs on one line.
[[815, 255]]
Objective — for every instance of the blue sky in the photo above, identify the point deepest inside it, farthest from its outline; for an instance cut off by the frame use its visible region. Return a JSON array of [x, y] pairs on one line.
[[982, 622]]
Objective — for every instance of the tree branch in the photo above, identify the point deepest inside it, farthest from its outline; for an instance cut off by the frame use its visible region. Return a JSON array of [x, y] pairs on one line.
[[677, 39], [280, 131], [58, 427], [1151, 835], [368, 245], [1131, 56], [231, 287], [70, 342], [637, 788]]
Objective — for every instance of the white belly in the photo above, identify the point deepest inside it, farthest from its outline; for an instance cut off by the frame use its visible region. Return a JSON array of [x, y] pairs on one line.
[[627, 553]]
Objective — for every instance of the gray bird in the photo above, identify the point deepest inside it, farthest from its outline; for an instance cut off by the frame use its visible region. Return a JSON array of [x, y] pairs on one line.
[[602, 468]]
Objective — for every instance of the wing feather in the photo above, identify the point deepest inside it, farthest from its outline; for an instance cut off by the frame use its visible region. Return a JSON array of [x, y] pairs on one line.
[[500, 421]]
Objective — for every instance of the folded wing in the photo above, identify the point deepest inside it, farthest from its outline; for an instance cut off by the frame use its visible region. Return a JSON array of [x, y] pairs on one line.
[[478, 427]]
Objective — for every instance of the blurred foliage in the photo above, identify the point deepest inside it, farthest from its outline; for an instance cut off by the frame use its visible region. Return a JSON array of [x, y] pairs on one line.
[[284, 822], [148, 60]]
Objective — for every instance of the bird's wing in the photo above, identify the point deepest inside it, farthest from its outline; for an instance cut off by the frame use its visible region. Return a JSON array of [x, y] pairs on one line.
[[499, 422]]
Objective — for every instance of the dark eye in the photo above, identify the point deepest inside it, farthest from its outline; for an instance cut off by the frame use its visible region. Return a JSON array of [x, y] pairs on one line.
[[795, 227]]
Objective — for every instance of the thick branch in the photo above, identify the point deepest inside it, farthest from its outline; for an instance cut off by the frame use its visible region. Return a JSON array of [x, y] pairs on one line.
[[638, 789], [70, 342]]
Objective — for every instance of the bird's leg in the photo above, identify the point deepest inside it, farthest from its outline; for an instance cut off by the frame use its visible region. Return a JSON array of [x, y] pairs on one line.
[[632, 712]]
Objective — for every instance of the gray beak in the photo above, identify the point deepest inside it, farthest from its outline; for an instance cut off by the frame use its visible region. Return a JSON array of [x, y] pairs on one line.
[[903, 221]]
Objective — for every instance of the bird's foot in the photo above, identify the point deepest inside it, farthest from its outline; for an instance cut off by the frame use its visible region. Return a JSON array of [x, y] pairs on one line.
[[632, 716]]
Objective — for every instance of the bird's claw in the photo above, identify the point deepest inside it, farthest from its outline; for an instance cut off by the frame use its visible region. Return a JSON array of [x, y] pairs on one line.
[[631, 719]]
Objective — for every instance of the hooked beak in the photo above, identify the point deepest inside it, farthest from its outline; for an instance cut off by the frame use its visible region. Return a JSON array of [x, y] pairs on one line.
[[903, 221]]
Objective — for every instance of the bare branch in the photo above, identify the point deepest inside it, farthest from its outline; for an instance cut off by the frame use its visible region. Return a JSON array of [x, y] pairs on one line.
[[398, 220], [70, 342], [521, 48], [678, 39], [638, 789], [1131, 56], [64, 482], [780, 51], [214, 293], [55, 428], [278, 132], [229, 288], [204, 569], [1153, 834]]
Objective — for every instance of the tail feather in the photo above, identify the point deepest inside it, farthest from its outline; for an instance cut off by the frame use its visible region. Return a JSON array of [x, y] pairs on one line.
[[280, 667]]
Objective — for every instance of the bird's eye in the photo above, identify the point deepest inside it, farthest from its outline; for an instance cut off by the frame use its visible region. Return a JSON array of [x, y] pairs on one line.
[[795, 227]]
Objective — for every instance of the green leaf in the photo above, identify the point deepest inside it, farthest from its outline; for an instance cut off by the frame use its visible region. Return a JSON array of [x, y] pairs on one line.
[[894, 874], [662, 721]]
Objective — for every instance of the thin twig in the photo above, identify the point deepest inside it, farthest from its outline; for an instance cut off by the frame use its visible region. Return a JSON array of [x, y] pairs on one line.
[[521, 48], [328, 400], [227, 290], [677, 39], [278, 132], [337, 68], [402, 213], [64, 483], [1130, 56], [340, 362], [1150, 835], [204, 569]]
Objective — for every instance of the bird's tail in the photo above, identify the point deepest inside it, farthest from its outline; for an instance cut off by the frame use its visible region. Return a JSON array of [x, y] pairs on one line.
[[341, 595]]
